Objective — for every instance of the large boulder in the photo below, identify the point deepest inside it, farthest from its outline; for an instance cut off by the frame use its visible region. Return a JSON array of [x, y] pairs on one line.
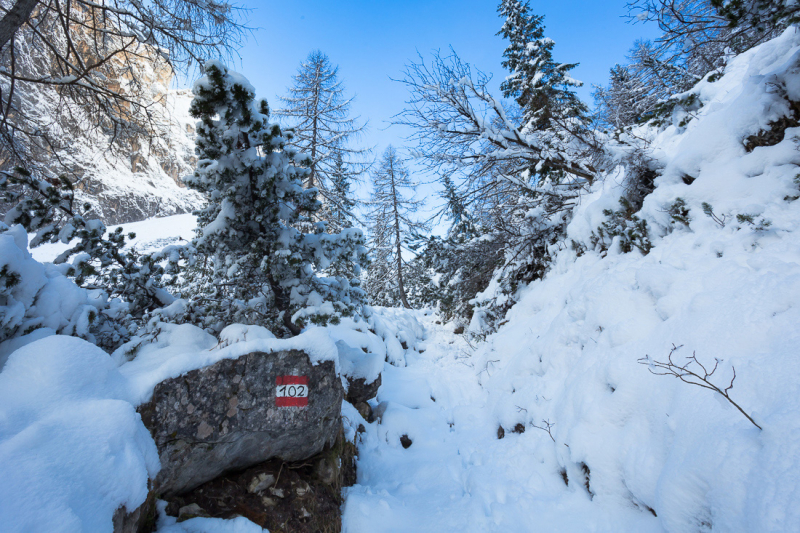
[[240, 412]]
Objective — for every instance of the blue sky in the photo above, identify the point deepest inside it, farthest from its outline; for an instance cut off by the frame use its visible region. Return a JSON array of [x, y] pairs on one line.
[[371, 41]]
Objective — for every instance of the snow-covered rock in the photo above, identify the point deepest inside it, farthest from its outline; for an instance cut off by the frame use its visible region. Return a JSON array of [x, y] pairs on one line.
[[240, 412]]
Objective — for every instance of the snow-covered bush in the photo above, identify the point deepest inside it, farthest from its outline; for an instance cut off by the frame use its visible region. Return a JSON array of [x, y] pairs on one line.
[[98, 257], [38, 299]]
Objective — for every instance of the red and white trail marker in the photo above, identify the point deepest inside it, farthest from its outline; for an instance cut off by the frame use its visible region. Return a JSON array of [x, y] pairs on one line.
[[291, 391]]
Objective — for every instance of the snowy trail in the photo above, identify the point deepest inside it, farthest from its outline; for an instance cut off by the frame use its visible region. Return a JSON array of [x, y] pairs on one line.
[[457, 475]]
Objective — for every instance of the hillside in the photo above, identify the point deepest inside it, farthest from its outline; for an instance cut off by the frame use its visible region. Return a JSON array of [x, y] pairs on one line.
[[600, 443], [125, 177], [142, 181]]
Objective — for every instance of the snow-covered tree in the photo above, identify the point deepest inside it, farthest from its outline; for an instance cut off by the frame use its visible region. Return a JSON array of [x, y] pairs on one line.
[[95, 259], [697, 37], [542, 88], [391, 222], [339, 214], [759, 13], [256, 266], [319, 112], [519, 167], [626, 100]]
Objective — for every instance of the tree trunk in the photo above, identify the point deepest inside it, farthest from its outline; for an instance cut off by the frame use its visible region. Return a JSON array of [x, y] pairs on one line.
[[317, 88], [282, 302], [400, 286], [14, 19]]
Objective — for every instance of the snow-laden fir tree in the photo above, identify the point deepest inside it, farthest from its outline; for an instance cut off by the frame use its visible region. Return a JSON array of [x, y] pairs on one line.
[[256, 266], [542, 88], [319, 112], [391, 221]]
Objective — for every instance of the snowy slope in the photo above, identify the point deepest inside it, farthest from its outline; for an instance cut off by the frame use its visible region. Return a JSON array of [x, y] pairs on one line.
[[151, 235], [639, 452]]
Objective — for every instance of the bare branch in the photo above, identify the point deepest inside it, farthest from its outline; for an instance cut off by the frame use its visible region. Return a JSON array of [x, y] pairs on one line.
[[686, 374]]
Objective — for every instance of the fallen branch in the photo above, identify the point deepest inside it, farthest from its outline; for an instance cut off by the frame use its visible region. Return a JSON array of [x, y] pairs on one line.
[[694, 375]]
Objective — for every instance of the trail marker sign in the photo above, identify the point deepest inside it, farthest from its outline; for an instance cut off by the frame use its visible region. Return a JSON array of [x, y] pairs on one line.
[[291, 391]]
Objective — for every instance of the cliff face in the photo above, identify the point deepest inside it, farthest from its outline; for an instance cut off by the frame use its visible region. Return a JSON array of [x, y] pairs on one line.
[[125, 145], [139, 180]]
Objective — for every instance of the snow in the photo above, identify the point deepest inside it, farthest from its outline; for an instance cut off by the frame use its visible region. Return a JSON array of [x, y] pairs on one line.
[[168, 524], [151, 235], [640, 452], [41, 300], [72, 447]]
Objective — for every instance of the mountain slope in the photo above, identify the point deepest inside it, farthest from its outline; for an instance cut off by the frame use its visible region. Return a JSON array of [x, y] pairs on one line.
[[608, 445]]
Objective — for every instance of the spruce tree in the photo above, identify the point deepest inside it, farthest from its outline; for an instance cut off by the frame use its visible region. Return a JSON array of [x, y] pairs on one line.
[[319, 112], [391, 223], [255, 265], [542, 88]]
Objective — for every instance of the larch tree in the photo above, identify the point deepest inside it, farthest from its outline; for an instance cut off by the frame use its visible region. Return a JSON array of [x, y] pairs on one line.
[[91, 66], [257, 267], [391, 221], [319, 112]]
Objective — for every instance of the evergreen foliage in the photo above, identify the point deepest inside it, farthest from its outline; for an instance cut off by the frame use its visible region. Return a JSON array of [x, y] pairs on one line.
[[623, 224], [99, 260], [542, 88], [256, 266]]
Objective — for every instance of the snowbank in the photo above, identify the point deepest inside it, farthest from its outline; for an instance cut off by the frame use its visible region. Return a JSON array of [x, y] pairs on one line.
[[72, 447], [39, 300], [553, 424], [724, 289]]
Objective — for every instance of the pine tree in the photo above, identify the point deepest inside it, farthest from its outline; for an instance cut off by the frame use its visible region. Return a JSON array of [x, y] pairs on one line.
[[390, 223], [759, 13], [257, 267], [542, 88], [324, 130]]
